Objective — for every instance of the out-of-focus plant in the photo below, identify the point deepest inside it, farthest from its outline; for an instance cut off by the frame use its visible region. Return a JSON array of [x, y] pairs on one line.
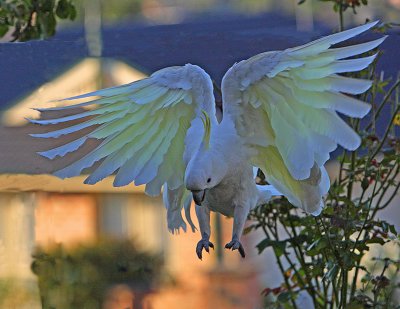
[[25, 289], [33, 19], [327, 256], [340, 6], [80, 277]]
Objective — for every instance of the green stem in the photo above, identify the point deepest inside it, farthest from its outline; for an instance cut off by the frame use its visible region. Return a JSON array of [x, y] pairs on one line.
[[308, 287], [385, 188], [384, 101], [356, 273], [341, 166], [335, 292], [335, 253], [367, 215], [341, 20], [367, 219], [325, 290], [344, 287], [396, 189], [300, 257], [386, 133], [376, 289], [278, 260], [354, 282]]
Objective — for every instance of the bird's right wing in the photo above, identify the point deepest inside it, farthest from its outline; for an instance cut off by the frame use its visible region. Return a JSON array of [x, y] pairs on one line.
[[142, 125], [284, 106]]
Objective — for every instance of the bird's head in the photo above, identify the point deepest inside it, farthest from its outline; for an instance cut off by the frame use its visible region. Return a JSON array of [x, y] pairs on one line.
[[207, 167]]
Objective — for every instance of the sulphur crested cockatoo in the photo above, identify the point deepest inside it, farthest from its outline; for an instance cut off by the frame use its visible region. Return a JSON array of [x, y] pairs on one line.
[[279, 115]]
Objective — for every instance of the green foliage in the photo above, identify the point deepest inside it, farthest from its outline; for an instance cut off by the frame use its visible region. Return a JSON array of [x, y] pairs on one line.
[[25, 289], [33, 19], [328, 256], [341, 6], [80, 277]]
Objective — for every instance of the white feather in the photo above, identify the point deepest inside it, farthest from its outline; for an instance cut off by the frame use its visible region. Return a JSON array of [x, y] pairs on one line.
[[280, 114], [298, 93], [64, 149], [320, 45], [353, 50]]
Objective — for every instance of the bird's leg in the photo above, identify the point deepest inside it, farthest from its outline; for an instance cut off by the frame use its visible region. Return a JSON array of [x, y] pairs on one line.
[[203, 216], [239, 219]]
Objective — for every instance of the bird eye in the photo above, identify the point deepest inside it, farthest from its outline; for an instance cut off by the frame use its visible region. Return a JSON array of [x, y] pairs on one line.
[[208, 180]]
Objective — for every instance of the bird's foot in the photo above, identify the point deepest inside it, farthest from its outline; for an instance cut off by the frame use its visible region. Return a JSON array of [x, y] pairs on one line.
[[203, 244], [236, 245]]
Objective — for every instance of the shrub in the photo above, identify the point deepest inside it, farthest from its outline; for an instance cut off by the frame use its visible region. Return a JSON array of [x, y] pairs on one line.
[[326, 256], [80, 277]]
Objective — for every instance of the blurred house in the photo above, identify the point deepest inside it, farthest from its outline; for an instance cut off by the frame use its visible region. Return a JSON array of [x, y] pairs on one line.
[[39, 209]]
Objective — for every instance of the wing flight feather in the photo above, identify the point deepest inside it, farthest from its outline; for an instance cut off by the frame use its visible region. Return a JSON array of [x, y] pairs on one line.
[[299, 92], [142, 127]]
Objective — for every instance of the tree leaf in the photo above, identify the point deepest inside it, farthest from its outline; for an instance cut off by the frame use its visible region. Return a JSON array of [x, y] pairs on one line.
[[278, 246], [72, 12], [284, 297], [62, 10], [3, 30], [375, 240], [332, 273], [316, 247]]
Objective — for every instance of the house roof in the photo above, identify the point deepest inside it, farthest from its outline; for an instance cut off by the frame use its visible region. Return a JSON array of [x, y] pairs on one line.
[[214, 45]]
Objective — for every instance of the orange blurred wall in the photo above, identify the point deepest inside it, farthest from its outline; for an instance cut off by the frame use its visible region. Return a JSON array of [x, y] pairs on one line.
[[66, 218]]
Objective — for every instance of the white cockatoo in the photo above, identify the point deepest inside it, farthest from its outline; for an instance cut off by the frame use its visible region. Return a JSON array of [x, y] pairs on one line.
[[279, 115]]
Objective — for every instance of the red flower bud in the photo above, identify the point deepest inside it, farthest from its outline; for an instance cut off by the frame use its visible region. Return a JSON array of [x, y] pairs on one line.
[[276, 290]]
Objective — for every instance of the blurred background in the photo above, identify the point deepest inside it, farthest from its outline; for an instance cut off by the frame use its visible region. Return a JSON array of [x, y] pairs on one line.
[[68, 245]]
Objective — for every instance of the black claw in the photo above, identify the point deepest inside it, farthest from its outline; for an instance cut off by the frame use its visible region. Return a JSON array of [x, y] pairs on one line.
[[241, 251], [236, 245], [203, 244]]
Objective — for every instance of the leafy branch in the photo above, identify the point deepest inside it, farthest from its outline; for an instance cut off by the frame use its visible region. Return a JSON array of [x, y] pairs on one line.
[[327, 257], [341, 6], [33, 19]]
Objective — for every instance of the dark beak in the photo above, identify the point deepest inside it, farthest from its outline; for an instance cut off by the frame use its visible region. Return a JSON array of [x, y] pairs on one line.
[[198, 196]]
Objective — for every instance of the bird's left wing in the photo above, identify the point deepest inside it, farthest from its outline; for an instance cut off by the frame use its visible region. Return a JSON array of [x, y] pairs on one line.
[[142, 125], [284, 107]]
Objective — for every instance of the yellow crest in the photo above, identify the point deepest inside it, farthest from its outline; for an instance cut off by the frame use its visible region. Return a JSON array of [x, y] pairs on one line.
[[397, 119], [207, 128]]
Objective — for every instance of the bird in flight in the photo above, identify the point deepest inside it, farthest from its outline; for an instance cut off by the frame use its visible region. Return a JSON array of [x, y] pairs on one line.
[[279, 115]]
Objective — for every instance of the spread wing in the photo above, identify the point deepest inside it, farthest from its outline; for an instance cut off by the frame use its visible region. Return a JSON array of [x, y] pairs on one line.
[[284, 105], [142, 125]]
